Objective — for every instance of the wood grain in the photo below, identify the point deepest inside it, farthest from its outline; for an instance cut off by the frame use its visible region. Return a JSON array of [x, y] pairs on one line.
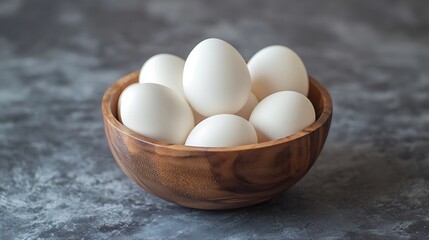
[[215, 178]]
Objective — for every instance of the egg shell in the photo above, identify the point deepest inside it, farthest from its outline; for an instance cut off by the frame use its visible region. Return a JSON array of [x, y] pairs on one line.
[[277, 68], [156, 111], [120, 100], [282, 114], [215, 78], [164, 69], [251, 103], [223, 130]]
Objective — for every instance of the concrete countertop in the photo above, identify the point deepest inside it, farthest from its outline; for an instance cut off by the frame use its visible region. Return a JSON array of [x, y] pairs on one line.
[[58, 179]]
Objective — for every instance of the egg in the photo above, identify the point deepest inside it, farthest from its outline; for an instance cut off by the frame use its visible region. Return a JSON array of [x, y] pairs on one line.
[[120, 100], [164, 69], [282, 114], [156, 111], [277, 68], [215, 78], [223, 130], [248, 107]]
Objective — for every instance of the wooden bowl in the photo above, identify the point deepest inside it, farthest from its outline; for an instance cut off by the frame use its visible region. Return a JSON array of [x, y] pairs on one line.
[[215, 178]]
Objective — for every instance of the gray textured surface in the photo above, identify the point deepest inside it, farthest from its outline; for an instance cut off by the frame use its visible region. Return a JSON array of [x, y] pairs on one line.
[[59, 180]]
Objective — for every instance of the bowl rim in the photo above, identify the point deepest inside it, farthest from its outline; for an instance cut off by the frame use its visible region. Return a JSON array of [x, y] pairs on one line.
[[128, 79]]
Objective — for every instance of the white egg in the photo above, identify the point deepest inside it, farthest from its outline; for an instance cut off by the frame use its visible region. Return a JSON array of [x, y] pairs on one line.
[[120, 100], [248, 107], [164, 69], [215, 78], [277, 68], [156, 111], [282, 114], [223, 130]]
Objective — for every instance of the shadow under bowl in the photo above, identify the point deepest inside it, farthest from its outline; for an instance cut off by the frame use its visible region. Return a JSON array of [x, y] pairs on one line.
[[215, 178]]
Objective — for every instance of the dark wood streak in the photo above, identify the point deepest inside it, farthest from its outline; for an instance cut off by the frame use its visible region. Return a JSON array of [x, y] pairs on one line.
[[216, 178]]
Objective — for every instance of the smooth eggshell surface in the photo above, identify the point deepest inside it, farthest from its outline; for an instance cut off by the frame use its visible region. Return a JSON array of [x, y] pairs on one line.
[[215, 78], [248, 107], [156, 111], [120, 100], [282, 114], [277, 68], [223, 130], [164, 69]]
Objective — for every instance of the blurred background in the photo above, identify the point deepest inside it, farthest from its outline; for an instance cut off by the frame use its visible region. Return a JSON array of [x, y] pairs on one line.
[[58, 178]]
